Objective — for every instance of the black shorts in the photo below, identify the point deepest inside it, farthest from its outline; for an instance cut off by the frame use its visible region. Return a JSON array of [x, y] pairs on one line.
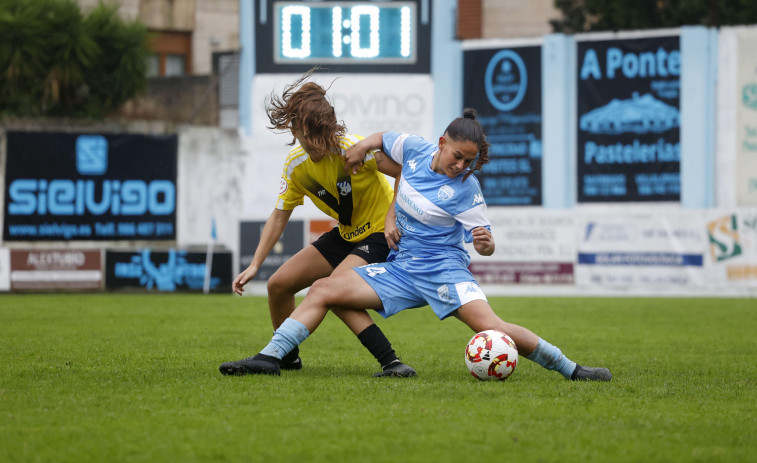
[[335, 249]]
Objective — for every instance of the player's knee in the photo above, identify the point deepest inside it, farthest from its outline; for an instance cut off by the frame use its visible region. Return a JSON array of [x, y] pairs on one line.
[[277, 284], [324, 291]]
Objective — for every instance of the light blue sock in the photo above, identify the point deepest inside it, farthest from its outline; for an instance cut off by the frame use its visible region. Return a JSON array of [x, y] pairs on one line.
[[289, 335], [551, 358]]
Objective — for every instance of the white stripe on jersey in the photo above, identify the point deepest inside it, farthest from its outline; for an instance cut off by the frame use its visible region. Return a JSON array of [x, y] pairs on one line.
[[474, 217], [398, 149], [296, 157], [420, 208]]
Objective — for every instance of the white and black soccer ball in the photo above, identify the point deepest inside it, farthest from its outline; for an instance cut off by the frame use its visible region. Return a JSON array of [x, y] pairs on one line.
[[491, 355]]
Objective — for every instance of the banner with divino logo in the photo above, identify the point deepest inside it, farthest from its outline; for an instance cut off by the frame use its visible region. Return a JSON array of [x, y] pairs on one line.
[[95, 187], [629, 120]]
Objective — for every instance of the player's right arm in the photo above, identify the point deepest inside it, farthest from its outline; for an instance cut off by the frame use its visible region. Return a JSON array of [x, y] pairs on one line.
[[354, 156], [391, 231], [271, 233]]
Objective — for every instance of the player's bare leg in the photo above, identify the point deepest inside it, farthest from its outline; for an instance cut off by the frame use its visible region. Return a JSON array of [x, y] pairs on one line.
[[296, 274], [322, 296], [479, 316]]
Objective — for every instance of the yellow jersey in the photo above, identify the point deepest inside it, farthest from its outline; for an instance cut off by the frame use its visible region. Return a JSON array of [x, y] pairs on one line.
[[359, 202]]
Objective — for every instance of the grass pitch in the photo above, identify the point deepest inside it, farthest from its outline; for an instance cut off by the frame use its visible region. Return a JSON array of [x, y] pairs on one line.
[[121, 378]]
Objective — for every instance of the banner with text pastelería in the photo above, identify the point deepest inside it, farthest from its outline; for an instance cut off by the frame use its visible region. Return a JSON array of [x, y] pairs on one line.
[[628, 139]]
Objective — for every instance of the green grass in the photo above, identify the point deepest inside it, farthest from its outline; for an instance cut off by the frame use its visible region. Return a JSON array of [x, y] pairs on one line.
[[115, 378]]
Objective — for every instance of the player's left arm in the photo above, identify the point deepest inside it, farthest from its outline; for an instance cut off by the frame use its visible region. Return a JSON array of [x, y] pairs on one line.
[[387, 165], [476, 225]]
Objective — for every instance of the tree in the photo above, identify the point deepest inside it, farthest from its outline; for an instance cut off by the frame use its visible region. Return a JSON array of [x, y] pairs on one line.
[[615, 15], [56, 61]]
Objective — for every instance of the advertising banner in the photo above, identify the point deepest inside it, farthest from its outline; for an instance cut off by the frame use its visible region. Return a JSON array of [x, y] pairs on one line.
[[532, 247], [641, 252], [67, 186], [5, 269], [629, 120], [316, 228], [732, 252], [171, 270], [366, 103], [746, 130], [291, 242], [504, 86], [44, 269]]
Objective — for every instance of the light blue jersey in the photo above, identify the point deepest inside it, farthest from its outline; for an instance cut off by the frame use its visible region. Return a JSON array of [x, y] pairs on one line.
[[435, 214]]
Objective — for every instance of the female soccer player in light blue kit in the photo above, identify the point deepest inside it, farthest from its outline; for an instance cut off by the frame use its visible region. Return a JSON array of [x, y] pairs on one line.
[[438, 206]]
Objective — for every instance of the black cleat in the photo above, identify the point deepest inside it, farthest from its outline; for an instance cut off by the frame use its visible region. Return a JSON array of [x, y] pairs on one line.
[[396, 369], [295, 364], [590, 374], [260, 364], [292, 360]]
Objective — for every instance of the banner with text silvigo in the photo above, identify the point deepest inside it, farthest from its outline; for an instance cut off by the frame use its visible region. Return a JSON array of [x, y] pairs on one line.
[[504, 86], [67, 186], [629, 120]]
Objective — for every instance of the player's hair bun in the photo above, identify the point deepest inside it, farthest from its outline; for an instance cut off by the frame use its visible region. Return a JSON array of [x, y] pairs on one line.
[[469, 113]]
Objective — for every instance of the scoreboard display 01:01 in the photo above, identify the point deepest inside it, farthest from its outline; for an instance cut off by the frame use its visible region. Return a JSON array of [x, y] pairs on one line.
[[343, 36]]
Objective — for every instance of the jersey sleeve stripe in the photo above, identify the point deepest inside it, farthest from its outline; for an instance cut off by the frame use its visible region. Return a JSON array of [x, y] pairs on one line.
[[398, 148]]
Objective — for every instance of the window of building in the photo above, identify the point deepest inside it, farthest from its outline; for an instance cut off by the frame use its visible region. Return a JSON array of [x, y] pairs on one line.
[[172, 54]]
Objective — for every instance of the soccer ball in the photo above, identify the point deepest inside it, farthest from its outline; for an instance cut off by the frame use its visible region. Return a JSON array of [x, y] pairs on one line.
[[491, 355]]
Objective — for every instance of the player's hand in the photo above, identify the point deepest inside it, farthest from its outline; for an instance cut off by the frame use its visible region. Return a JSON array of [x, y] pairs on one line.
[[483, 241], [391, 231], [243, 278], [353, 158]]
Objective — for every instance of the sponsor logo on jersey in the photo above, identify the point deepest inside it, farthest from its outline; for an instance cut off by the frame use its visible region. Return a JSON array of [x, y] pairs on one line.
[[321, 193], [477, 199], [344, 188], [410, 203], [412, 164], [472, 288], [404, 222], [283, 186], [357, 232], [445, 192]]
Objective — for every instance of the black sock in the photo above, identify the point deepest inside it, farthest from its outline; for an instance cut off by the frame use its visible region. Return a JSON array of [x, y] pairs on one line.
[[292, 355], [374, 340]]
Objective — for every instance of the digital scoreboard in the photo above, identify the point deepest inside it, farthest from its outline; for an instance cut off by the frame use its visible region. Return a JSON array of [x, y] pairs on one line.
[[343, 36]]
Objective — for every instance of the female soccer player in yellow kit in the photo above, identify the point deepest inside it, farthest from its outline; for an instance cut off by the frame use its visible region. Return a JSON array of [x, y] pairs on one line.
[[315, 168]]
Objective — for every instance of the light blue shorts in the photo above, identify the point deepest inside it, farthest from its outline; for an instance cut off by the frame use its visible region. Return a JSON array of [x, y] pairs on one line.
[[443, 283]]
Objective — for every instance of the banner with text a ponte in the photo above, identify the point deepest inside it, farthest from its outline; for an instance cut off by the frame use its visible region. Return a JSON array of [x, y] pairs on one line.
[[628, 111]]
